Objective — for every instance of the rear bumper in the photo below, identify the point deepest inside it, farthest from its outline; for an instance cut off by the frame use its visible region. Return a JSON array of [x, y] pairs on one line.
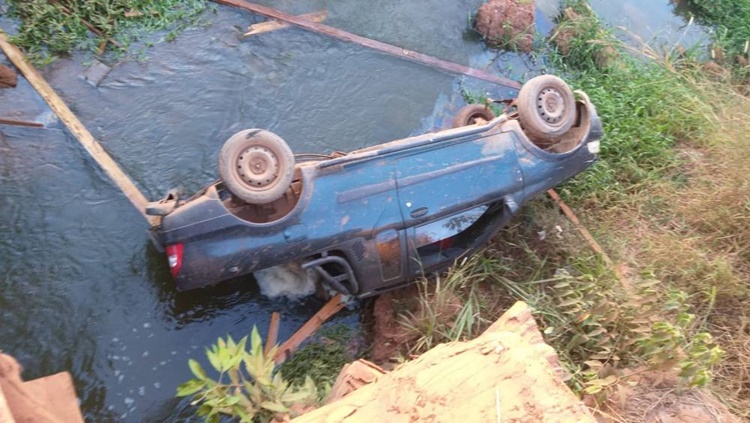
[[156, 241]]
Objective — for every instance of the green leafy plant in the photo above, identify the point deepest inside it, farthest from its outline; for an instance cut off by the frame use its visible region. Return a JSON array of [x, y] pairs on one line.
[[671, 341], [248, 387]]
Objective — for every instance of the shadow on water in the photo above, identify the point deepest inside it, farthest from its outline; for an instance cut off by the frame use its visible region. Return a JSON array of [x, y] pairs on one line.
[[81, 287]]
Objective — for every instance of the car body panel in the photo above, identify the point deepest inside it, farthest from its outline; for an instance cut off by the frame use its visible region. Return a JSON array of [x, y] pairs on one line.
[[380, 208]]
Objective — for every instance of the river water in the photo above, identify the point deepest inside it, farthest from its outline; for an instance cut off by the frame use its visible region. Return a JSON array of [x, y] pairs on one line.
[[82, 290]]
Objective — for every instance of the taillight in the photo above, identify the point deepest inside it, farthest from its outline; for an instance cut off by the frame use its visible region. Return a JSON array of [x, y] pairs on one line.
[[174, 255]]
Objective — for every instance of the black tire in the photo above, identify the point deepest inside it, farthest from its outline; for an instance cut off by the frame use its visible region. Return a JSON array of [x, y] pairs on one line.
[[256, 165], [546, 109], [469, 114]]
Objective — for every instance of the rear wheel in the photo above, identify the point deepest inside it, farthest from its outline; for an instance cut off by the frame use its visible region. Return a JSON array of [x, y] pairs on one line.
[[473, 114], [546, 109], [256, 165]]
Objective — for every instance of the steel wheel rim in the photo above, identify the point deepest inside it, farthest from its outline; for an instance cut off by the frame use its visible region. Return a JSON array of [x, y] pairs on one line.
[[550, 105], [258, 167]]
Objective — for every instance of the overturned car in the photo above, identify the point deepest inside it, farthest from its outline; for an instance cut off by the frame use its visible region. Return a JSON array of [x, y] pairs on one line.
[[373, 219]]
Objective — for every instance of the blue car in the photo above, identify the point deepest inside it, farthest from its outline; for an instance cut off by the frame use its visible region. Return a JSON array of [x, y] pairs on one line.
[[374, 219]]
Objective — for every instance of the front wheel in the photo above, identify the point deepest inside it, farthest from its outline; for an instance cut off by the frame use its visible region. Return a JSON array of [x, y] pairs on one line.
[[256, 165], [546, 109]]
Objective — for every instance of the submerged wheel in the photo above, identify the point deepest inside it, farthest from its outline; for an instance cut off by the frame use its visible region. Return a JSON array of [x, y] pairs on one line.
[[546, 108], [256, 165], [469, 115]]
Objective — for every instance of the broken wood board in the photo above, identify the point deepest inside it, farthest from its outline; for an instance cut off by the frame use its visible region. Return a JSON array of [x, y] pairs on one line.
[[333, 306], [74, 125], [273, 25], [373, 44], [273, 332], [507, 374]]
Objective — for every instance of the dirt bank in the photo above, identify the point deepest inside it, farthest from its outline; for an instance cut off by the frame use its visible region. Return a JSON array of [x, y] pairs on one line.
[[507, 24]]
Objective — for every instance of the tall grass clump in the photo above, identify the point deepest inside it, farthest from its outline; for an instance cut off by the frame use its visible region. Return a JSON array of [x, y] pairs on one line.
[[49, 29], [674, 160], [646, 109], [730, 21], [450, 308]]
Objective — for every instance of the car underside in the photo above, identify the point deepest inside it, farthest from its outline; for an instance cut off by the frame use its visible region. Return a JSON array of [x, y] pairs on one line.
[[373, 219]]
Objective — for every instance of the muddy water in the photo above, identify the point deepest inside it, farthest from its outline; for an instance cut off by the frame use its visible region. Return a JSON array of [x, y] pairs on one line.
[[82, 290]]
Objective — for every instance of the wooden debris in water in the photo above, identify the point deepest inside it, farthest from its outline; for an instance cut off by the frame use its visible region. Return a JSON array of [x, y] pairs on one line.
[[274, 24], [373, 44], [333, 306], [273, 332], [74, 125], [16, 122]]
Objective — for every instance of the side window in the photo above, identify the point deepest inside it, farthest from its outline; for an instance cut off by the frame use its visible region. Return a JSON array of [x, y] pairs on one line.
[[445, 228], [389, 249]]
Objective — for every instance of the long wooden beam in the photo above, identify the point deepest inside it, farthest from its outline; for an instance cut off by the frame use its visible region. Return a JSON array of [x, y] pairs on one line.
[[377, 45], [333, 306], [74, 125]]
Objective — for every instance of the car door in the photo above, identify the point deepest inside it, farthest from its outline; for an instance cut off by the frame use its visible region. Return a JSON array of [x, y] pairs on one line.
[[365, 210], [451, 177]]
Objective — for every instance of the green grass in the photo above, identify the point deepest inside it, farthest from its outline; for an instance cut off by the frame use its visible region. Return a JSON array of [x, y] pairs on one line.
[[675, 222], [322, 358], [730, 20], [50, 29], [646, 110]]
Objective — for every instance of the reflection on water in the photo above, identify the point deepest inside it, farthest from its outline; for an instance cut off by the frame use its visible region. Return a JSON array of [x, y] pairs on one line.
[[82, 289]]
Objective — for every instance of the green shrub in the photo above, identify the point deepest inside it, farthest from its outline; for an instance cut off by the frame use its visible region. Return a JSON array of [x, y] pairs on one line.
[[254, 391]]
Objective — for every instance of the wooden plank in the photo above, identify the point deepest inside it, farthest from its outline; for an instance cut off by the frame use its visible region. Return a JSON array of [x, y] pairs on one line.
[[333, 306], [92, 146], [273, 332], [273, 25], [377, 45], [590, 239], [16, 122]]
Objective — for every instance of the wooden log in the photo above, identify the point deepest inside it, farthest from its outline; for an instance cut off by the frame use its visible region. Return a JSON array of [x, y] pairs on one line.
[[333, 306], [16, 122], [373, 44], [273, 332], [92, 146], [506, 374], [274, 25]]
